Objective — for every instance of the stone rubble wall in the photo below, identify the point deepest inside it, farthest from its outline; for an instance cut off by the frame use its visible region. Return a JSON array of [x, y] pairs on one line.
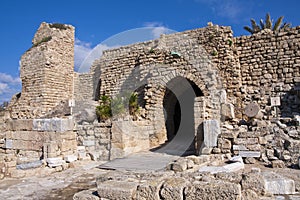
[[46, 72], [96, 139], [29, 143], [270, 67]]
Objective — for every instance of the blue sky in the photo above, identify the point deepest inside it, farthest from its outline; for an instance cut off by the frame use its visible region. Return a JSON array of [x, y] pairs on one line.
[[98, 20]]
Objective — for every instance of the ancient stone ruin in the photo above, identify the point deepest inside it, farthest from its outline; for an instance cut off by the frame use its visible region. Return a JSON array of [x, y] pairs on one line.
[[200, 92]]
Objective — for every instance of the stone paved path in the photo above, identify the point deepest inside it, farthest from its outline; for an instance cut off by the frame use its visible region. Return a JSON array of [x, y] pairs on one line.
[[143, 161], [60, 185]]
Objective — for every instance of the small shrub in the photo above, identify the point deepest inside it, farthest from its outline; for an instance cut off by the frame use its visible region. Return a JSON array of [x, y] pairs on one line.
[[117, 106], [152, 50], [58, 26], [45, 39], [103, 111], [229, 41], [214, 53]]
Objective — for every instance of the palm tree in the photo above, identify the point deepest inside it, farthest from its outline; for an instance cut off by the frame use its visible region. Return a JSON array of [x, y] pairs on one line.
[[268, 24]]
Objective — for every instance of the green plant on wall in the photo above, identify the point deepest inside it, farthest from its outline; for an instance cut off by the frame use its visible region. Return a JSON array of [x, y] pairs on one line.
[[267, 24], [103, 111], [119, 105], [133, 104], [45, 39]]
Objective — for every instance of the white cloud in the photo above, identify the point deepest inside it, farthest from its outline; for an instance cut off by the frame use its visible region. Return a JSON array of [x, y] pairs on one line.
[[81, 51], [3, 88], [6, 78], [8, 86], [158, 28]]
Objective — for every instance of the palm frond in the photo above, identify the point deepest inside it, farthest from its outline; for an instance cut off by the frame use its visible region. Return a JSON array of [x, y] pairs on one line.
[[262, 24], [278, 24], [268, 21], [247, 28]]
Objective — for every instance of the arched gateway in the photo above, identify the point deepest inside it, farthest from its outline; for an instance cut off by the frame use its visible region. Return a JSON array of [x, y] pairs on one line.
[[174, 89]]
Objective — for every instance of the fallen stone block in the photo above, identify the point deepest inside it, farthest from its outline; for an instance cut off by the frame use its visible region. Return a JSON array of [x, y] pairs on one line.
[[255, 182], [233, 167], [276, 184], [213, 190], [179, 165], [55, 162], [173, 189], [70, 158], [278, 164], [90, 194], [149, 190], [30, 165], [117, 190], [247, 154]]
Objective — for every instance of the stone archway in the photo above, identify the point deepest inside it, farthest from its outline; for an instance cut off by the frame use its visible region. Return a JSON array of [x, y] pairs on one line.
[[178, 105]]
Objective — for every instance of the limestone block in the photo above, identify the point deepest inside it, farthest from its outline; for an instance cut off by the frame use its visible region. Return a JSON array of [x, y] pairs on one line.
[[8, 144], [211, 131], [149, 190], [213, 190], [252, 154], [278, 164], [53, 124], [70, 158], [179, 165], [86, 195], [224, 143], [55, 162], [30, 165], [117, 190], [255, 182], [245, 141], [20, 125], [81, 152], [227, 111], [249, 195], [173, 188], [88, 143], [276, 184]]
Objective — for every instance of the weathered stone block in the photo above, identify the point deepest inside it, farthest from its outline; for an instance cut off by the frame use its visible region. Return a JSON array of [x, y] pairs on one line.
[[247, 154], [149, 190], [255, 182], [173, 188], [53, 124], [213, 190], [278, 164], [276, 184], [55, 162], [117, 190], [227, 111], [245, 141], [70, 158], [86, 195], [30, 165], [8, 144], [211, 131]]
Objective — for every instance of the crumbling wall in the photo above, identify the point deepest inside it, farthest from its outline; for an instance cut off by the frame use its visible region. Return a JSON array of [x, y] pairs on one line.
[[270, 67], [46, 72], [206, 57]]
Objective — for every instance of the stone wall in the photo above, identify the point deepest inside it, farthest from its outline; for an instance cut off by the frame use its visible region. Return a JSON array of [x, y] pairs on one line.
[[270, 67], [96, 139], [46, 72], [32, 143]]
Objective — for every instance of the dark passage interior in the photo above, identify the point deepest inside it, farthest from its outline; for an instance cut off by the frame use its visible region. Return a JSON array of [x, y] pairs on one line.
[[178, 106]]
